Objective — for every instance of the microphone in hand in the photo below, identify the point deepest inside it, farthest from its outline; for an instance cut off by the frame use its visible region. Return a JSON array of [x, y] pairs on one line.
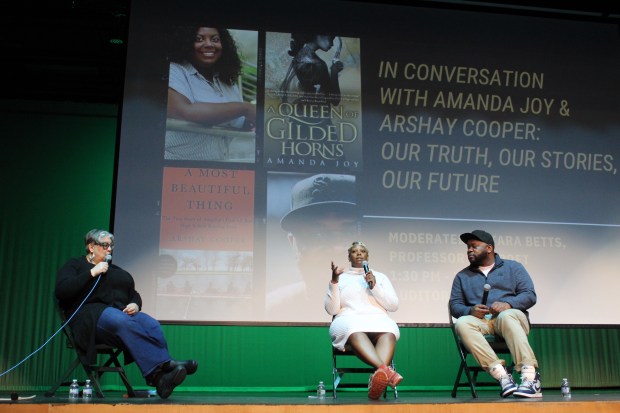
[[108, 261], [366, 269], [485, 295]]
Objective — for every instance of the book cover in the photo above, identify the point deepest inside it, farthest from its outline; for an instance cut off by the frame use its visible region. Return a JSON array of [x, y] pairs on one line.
[[312, 112], [211, 104], [207, 233]]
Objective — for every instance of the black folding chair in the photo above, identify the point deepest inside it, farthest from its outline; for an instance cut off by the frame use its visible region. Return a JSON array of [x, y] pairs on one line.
[[111, 363], [339, 372], [470, 371]]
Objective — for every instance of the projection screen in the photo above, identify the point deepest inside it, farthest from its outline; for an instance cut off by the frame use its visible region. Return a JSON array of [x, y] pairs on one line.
[[437, 122]]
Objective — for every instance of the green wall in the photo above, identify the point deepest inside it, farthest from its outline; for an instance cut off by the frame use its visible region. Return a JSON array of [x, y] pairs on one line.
[[57, 172]]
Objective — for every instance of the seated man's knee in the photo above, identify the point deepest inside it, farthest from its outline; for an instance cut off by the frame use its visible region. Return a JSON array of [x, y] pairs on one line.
[[512, 319], [511, 312], [464, 322], [511, 315]]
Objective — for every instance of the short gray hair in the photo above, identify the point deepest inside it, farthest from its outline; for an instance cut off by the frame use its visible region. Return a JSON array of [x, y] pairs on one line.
[[95, 236]]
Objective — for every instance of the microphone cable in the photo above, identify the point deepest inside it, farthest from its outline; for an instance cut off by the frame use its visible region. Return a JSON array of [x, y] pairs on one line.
[[56, 333]]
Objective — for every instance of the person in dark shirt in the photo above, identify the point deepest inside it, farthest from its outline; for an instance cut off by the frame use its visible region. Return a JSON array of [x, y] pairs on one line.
[[510, 296], [110, 314]]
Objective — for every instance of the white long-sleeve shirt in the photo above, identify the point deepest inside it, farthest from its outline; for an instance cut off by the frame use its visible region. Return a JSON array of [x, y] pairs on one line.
[[358, 308]]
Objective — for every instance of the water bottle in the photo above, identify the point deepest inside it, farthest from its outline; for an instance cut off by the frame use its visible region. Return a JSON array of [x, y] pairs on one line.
[[320, 390], [74, 390], [565, 389], [87, 393]]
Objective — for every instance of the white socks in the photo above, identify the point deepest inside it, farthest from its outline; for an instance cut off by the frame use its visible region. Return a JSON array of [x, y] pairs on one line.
[[498, 371], [528, 373]]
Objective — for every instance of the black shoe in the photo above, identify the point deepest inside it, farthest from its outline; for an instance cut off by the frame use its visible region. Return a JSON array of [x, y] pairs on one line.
[[153, 378], [169, 380], [190, 365]]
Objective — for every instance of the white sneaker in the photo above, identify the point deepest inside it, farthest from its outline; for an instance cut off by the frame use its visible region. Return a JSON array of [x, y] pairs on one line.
[[508, 385], [530, 388]]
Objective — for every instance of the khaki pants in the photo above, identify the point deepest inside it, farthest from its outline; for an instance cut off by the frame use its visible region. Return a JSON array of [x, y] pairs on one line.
[[511, 324]]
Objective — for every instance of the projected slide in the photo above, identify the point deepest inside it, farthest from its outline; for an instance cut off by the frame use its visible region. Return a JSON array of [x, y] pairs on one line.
[[253, 152]]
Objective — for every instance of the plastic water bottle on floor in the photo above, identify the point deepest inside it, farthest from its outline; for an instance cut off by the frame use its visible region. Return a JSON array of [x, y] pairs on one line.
[[320, 390], [74, 390], [565, 389], [87, 393]]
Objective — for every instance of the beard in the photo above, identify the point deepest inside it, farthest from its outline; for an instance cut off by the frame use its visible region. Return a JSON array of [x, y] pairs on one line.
[[477, 260]]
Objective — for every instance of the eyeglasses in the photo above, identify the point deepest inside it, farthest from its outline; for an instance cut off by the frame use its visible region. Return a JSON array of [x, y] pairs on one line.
[[105, 245]]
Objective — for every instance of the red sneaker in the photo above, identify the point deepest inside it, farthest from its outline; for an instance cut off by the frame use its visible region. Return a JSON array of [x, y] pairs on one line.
[[393, 377], [377, 384]]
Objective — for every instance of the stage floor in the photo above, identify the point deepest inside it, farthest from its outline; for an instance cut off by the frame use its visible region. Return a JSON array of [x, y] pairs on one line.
[[590, 401]]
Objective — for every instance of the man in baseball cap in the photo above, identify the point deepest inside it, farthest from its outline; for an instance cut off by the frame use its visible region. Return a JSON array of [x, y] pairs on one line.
[[479, 235], [511, 295], [320, 225], [318, 195]]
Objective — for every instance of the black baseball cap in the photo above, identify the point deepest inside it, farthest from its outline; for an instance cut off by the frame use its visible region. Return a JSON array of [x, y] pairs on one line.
[[479, 235], [319, 194]]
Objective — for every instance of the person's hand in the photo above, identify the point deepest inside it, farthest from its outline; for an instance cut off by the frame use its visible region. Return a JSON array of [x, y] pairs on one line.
[[250, 116], [370, 279], [336, 271], [499, 306], [131, 309], [479, 310], [99, 269], [337, 67]]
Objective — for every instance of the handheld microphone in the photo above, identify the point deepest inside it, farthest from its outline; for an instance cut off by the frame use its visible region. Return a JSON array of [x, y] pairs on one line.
[[485, 295], [108, 259], [366, 269]]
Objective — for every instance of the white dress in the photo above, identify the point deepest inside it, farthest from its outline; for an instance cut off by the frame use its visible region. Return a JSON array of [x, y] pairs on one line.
[[358, 308]]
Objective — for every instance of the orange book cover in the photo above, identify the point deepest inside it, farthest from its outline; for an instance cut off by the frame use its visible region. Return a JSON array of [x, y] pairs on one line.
[[207, 209]]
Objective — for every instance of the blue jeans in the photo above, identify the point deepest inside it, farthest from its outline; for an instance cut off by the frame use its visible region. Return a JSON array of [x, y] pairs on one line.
[[141, 335]]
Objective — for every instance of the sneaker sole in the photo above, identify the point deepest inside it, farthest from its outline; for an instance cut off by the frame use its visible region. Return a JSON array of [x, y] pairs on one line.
[[378, 385], [528, 395], [508, 392]]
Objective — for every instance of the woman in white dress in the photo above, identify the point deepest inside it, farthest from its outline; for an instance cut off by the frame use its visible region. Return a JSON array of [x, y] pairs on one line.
[[359, 299]]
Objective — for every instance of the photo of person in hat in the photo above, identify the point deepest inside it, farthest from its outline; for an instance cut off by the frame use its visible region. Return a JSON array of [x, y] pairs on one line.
[[506, 314], [320, 219]]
